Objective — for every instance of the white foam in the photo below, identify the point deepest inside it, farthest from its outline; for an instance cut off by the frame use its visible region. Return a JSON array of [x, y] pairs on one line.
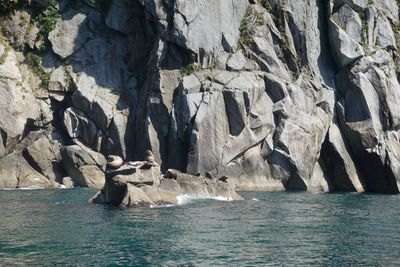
[[30, 188], [255, 199], [186, 199]]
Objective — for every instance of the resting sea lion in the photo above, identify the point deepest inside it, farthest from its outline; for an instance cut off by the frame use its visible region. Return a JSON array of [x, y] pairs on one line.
[[171, 174], [114, 162], [223, 179], [150, 158]]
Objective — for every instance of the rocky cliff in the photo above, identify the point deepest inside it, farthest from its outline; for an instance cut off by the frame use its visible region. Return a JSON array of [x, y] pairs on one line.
[[275, 94]]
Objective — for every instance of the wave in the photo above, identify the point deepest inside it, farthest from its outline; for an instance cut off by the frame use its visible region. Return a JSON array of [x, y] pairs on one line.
[[23, 188], [186, 199]]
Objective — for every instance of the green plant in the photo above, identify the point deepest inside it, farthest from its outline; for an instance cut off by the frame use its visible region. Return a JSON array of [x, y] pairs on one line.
[[245, 33], [259, 18], [34, 62], [3, 56], [68, 76], [115, 91], [45, 80], [188, 69], [47, 20], [267, 4]]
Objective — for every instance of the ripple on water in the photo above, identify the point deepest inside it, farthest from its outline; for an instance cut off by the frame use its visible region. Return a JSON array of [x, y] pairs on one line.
[[50, 227]]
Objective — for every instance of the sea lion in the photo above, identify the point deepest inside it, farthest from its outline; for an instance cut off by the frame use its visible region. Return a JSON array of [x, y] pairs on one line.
[[171, 174], [114, 162], [150, 158], [223, 179], [136, 164]]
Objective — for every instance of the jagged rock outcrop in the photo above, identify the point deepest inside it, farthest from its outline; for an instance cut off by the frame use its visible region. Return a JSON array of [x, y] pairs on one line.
[[295, 95], [129, 187]]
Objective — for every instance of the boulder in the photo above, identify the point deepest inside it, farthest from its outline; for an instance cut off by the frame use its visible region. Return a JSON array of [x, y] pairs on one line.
[[347, 19], [60, 80], [120, 190], [236, 61], [383, 33], [70, 34], [19, 109], [358, 5], [84, 166], [15, 172], [44, 154], [135, 198], [346, 50], [301, 126], [20, 31], [78, 125], [341, 170], [136, 176]]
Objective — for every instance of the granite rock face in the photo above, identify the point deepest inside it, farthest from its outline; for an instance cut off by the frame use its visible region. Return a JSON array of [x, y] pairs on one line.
[[275, 95]]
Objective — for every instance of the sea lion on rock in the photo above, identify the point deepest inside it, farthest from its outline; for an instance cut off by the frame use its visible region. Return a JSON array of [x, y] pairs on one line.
[[114, 162], [223, 179], [136, 164], [150, 158], [171, 174]]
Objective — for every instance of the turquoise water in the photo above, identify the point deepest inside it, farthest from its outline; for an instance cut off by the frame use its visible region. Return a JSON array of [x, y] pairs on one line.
[[58, 227]]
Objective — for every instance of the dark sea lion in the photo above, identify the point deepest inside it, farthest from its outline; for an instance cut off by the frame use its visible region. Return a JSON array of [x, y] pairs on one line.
[[223, 179]]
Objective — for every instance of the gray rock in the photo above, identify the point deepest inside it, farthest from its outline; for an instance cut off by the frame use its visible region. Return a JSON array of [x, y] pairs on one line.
[[318, 181], [136, 176], [70, 34], [236, 62], [346, 50], [120, 16], [79, 126], [191, 84], [301, 127], [200, 26], [120, 191], [389, 7], [60, 80], [342, 172], [136, 198], [18, 105], [84, 166], [358, 5], [15, 172], [45, 155], [383, 33], [20, 31], [347, 19], [275, 87], [370, 16], [268, 60], [68, 182]]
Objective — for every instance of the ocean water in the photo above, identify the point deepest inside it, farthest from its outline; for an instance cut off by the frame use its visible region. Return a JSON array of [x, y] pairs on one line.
[[58, 227]]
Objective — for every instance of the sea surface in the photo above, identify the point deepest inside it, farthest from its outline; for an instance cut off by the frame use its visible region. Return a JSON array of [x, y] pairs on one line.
[[59, 227]]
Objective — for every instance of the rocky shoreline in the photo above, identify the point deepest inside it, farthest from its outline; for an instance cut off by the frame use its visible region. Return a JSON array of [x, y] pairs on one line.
[[276, 95], [130, 187]]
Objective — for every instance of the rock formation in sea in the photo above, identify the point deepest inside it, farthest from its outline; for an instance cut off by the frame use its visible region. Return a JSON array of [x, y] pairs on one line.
[[274, 94]]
